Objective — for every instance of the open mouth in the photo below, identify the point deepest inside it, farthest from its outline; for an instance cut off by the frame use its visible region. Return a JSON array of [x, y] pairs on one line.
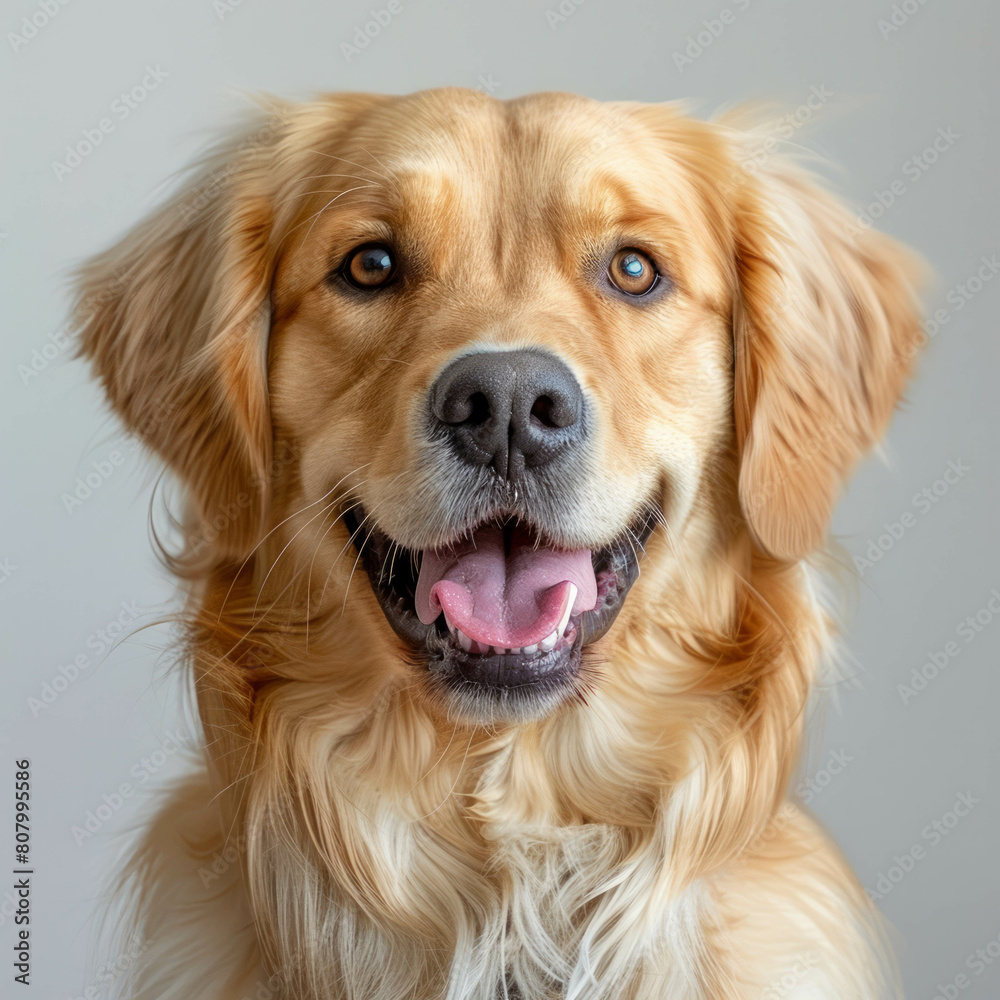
[[500, 615]]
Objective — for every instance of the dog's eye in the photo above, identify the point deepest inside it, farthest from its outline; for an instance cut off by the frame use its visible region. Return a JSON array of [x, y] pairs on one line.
[[632, 271], [369, 266]]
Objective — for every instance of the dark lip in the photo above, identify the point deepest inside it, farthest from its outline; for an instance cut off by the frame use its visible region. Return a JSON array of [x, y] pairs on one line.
[[496, 684]]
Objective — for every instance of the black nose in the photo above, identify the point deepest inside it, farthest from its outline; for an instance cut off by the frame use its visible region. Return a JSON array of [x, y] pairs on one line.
[[509, 409]]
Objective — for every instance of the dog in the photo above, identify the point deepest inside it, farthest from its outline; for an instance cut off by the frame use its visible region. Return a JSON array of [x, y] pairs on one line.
[[509, 433]]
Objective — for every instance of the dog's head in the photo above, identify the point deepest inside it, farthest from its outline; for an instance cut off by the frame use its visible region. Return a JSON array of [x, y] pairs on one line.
[[500, 357]]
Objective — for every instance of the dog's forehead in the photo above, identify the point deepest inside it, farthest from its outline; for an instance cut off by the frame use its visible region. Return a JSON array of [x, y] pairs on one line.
[[419, 127], [547, 147]]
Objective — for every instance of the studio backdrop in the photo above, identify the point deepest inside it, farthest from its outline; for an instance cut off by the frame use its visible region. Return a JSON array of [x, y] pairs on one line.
[[105, 100]]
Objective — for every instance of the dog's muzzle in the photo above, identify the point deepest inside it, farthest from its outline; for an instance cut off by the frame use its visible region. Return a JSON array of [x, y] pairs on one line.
[[500, 613]]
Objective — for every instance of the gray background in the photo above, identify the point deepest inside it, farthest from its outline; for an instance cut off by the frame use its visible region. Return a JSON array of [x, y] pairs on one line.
[[67, 573]]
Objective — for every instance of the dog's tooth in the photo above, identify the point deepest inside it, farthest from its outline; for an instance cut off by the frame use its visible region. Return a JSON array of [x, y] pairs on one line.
[[568, 610], [464, 641], [548, 643], [514, 649], [530, 650], [499, 650]]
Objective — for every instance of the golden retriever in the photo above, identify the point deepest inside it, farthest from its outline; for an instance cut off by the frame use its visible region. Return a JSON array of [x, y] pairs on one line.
[[510, 431]]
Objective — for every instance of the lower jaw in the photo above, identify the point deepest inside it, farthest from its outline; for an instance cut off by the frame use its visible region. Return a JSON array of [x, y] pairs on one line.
[[511, 687]]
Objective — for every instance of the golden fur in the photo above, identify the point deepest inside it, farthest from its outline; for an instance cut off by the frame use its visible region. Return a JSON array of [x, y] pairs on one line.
[[635, 842]]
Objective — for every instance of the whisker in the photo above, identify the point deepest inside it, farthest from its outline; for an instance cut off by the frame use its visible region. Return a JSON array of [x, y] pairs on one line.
[[385, 559], [294, 577], [296, 574], [628, 538], [279, 524], [306, 194], [366, 518], [282, 552], [361, 547], [312, 563], [343, 159], [324, 208], [375, 158], [340, 554], [392, 564], [440, 757], [454, 784], [320, 177]]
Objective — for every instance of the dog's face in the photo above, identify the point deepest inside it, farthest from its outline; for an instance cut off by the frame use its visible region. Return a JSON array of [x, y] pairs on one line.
[[513, 341], [518, 351]]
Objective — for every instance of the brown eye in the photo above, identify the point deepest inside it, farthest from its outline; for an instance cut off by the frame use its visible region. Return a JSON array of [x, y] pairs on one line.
[[369, 266], [632, 271]]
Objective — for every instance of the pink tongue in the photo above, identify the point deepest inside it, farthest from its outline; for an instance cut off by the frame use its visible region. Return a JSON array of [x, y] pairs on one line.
[[509, 600]]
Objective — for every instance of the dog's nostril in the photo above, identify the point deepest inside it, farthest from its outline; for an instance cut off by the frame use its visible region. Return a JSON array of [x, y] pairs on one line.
[[542, 412], [479, 409], [462, 407]]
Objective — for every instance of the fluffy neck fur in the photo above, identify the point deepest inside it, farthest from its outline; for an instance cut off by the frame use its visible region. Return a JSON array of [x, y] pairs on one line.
[[393, 851]]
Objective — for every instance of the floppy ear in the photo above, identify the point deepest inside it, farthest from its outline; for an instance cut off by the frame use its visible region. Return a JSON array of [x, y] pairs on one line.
[[826, 330], [174, 320]]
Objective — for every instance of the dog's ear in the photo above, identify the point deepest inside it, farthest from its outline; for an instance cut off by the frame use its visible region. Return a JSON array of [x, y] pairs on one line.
[[826, 329], [175, 320]]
